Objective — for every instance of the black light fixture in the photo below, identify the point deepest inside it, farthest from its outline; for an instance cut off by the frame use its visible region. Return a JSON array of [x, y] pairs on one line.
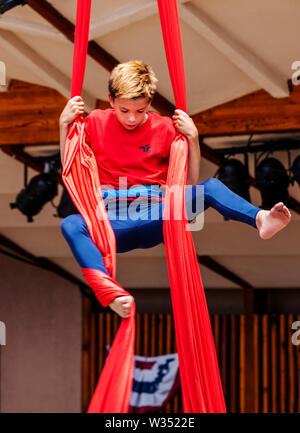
[[234, 175], [41, 189], [6, 5], [272, 181], [296, 170], [272, 178], [66, 206]]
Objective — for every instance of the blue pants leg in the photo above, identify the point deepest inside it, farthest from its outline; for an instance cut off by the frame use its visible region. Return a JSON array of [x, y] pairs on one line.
[[84, 250], [216, 195], [76, 233], [148, 233], [226, 202]]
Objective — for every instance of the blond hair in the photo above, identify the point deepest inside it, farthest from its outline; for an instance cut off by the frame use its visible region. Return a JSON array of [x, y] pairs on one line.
[[131, 80]]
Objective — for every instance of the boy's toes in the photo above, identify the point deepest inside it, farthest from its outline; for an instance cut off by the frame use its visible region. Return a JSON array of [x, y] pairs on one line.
[[285, 211]]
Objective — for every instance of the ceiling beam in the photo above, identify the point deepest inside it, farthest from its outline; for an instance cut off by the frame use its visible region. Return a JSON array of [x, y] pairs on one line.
[[52, 267], [47, 264], [41, 262], [67, 28], [248, 62], [221, 270], [18, 154], [101, 56], [56, 19], [40, 66]]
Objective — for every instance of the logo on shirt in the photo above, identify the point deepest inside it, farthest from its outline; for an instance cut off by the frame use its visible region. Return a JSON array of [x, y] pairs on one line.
[[145, 148]]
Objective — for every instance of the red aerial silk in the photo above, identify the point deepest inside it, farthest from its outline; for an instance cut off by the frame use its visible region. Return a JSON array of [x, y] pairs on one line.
[[199, 373], [198, 364], [80, 176]]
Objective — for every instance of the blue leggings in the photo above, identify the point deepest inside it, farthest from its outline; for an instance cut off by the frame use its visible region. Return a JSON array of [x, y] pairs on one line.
[[146, 233]]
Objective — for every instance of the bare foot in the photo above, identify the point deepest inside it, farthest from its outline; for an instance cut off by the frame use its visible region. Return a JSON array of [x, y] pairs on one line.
[[269, 222], [122, 306]]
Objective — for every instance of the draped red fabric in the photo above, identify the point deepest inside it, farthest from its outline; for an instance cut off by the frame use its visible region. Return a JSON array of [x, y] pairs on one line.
[[80, 45], [198, 364], [170, 27], [80, 175], [201, 385]]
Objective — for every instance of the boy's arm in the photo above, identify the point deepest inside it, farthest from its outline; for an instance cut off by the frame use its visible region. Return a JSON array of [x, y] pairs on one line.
[[194, 160], [187, 127], [63, 131], [73, 109]]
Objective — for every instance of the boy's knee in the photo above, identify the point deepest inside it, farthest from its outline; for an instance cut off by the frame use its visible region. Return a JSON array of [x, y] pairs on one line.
[[211, 184], [71, 225], [208, 188]]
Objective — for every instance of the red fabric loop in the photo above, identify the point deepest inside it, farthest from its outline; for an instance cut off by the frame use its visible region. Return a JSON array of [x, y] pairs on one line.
[[104, 287]]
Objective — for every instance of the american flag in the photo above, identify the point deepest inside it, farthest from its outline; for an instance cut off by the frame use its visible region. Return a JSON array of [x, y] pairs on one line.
[[155, 382]]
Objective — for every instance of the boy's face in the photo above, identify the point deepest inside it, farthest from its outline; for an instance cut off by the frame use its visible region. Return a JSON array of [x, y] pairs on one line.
[[131, 113]]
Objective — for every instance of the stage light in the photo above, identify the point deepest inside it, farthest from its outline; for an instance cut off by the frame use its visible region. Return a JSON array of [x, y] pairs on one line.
[[234, 175], [66, 206], [41, 189], [296, 170], [272, 181], [6, 5]]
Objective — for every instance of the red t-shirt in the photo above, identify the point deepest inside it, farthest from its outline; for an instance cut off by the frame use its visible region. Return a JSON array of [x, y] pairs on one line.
[[141, 155]]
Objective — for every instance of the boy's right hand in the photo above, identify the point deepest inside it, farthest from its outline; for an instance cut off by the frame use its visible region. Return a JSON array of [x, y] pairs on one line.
[[73, 109], [122, 306]]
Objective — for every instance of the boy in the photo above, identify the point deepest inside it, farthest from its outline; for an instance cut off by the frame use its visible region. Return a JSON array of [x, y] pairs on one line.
[[132, 144]]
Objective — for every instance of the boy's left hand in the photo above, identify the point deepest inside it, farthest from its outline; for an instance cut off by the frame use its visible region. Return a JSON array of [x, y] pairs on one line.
[[185, 124]]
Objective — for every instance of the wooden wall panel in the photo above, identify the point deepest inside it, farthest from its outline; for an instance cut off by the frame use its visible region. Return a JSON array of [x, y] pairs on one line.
[[276, 365], [242, 368], [233, 364], [297, 370], [256, 112], [86, 392], [265, 363], [29, 114]]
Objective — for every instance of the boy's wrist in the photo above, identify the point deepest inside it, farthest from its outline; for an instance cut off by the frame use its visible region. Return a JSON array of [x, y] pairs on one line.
[[193, 138], [63, 124]]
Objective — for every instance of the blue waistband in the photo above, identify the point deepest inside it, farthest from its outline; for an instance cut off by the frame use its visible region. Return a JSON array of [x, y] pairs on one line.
[[146, 192]]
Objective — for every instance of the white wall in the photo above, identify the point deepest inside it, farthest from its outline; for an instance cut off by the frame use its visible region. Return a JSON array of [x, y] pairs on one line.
[[40, 368]]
